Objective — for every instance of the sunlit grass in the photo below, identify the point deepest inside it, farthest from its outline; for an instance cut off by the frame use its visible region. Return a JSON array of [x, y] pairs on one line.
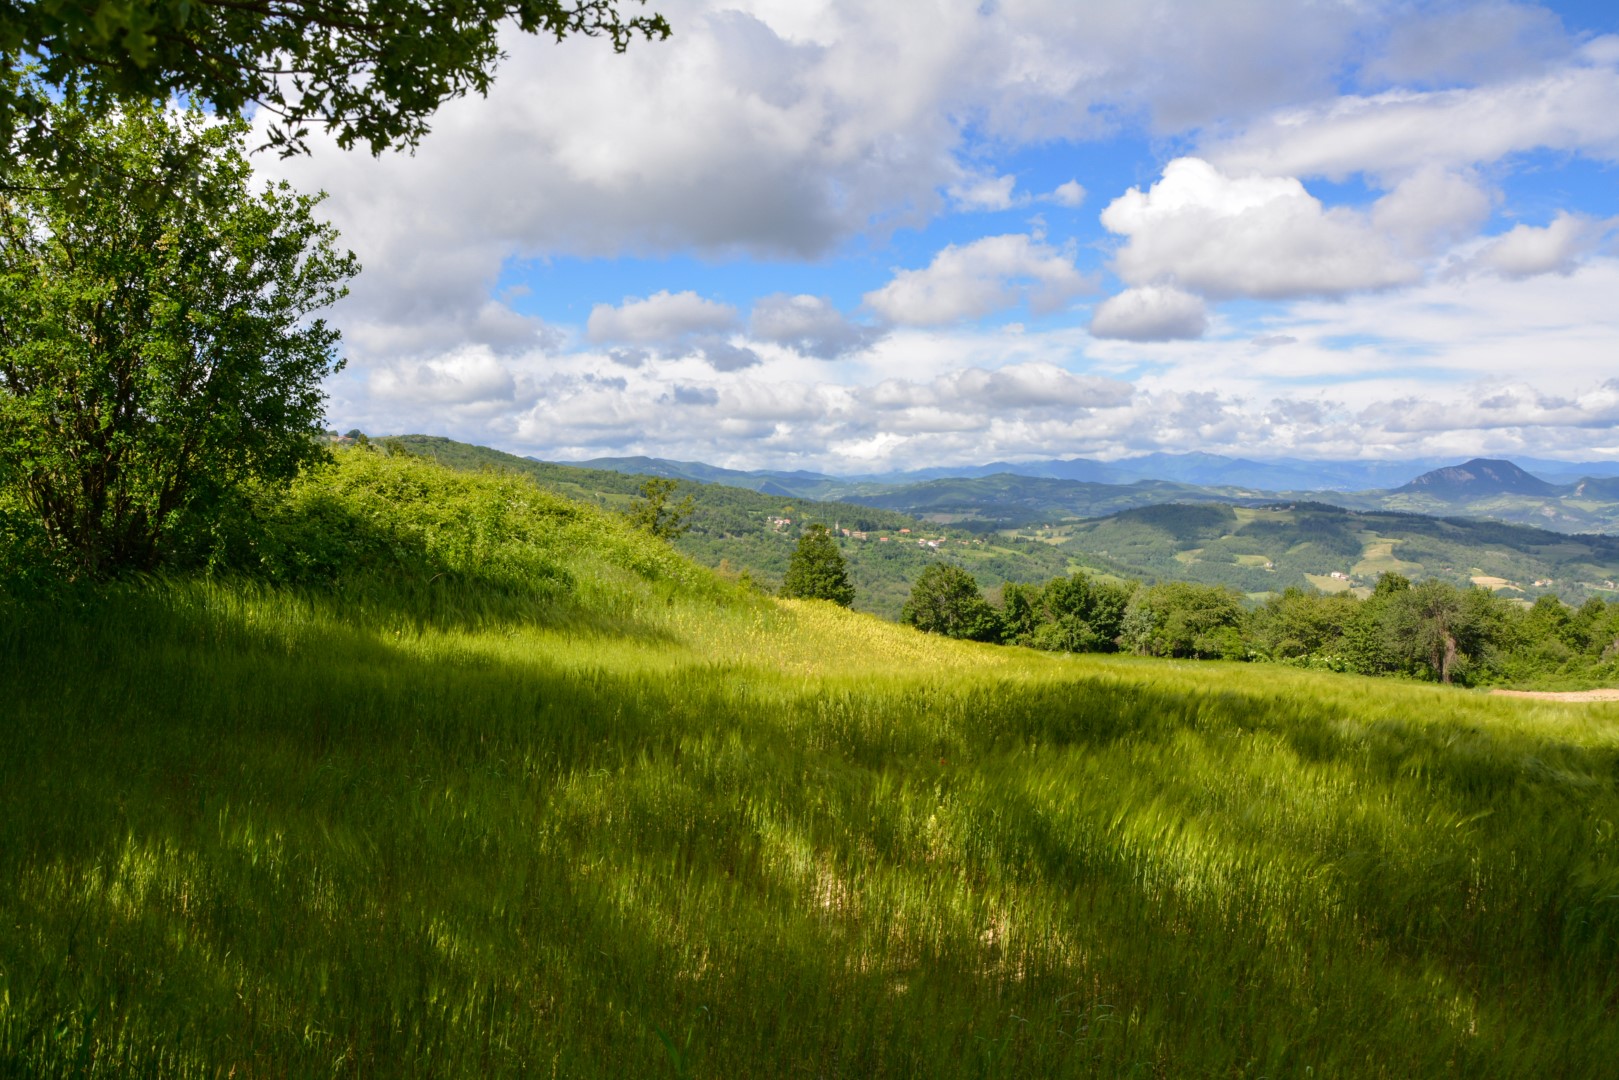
[[653, 825]]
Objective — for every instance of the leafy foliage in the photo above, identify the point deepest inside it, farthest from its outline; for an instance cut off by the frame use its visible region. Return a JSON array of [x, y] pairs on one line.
[[1076, 613], [372, 72], [156, 345], [653, 512], [946, 600], [816, 571], [1181, 618]]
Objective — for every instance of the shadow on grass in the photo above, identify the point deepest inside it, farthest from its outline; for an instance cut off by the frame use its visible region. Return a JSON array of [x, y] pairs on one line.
[[244, 829]]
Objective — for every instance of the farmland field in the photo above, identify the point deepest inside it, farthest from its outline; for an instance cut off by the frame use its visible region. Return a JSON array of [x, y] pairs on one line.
[[618, 817]]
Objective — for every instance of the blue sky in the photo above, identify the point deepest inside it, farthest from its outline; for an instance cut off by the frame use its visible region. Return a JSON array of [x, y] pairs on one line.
[[853, 236]]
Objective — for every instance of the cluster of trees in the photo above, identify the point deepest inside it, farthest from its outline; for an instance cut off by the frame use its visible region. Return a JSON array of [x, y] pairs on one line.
[[1430, 629]]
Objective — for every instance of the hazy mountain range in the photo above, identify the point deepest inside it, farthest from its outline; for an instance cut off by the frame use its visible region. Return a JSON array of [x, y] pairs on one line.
[[1564, 496], [1278, 474]]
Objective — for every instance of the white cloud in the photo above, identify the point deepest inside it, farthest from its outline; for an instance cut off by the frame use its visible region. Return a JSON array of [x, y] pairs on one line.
[[1528, 250], [975, 279], [1069, 194], [660, 318], [464, 377], [1571, 108], [1432, 209], [984, 193], [820, 120], [810, 324], [1266, 236], [1150, 313]]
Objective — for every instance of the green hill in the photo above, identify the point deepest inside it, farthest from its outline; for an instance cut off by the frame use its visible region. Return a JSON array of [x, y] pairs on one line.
[[733, 528], [1267, 549], [490, 785], [1252, 547]]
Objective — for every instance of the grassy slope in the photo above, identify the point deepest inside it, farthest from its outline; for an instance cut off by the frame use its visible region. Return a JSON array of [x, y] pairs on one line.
[[646, 824], [729, 528]]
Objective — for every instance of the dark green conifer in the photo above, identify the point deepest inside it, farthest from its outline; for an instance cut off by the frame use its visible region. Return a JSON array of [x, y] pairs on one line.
[[817, 571]]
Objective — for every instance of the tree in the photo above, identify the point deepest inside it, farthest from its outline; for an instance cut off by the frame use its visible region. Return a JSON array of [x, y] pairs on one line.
[[156, 344], [371, 72], [1435, 625], [946, 600], [1179, 618], [1081, 615], [816, 571], [653, 513]]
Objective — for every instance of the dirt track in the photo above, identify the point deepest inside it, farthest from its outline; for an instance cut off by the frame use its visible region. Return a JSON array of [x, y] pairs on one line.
[[1605, 694]]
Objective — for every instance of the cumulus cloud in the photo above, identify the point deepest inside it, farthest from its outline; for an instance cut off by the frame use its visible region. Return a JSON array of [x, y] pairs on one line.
[[465, 377], [819, 119], [1150, 313], [975, 279], [1528, 250], [809, 324], [661, 317], [1014, 387], [490, 325], [1069, 194], [1514, 406], [1266, 236]]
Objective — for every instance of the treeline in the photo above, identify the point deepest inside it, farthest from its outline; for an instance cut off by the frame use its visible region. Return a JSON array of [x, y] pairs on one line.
[[1426, 630]]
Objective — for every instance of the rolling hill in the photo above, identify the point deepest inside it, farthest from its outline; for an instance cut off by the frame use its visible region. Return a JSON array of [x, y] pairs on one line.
[[1126, 531], [1259, 549], [519, 791]]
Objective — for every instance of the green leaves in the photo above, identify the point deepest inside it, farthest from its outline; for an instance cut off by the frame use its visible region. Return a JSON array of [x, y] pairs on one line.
[[816, 571], [945, 600], [653, 512], [156, 344], [371, 72]]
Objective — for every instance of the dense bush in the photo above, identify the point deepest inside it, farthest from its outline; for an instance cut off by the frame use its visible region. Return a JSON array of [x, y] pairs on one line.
[[946, 600]]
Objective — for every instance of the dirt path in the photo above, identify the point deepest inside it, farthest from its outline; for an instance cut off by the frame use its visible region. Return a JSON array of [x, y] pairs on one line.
[[1606, 694]]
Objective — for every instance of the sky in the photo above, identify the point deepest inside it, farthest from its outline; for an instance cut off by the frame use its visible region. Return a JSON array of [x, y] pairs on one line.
[[855, 236]]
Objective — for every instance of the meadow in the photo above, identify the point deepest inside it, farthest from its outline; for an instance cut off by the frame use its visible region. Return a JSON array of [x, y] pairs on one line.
[[441, 775]]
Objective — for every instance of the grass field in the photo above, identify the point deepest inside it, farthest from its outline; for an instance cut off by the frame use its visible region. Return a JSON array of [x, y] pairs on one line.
[[638, 823]]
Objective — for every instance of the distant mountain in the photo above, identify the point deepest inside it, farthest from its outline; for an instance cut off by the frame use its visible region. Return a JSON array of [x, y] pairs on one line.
[[1570, 497], [1480, 478], [1297, 475]]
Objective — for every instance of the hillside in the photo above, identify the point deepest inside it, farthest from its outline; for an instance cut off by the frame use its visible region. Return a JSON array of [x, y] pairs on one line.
[[1580, 497], [1266, 549], [517, 791], [1241, 542], [733, 527], [1005, 499]]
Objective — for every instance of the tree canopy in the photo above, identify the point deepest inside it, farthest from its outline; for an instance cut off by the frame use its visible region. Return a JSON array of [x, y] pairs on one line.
[[157, 344], [946, 600], [373, 72], [816, 571], [653, 511]]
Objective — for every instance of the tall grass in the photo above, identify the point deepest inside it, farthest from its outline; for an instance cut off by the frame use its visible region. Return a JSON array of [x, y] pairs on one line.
[[639, 823]]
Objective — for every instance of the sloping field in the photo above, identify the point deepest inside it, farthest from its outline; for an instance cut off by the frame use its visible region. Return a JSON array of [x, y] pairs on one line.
[[641, 823]]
